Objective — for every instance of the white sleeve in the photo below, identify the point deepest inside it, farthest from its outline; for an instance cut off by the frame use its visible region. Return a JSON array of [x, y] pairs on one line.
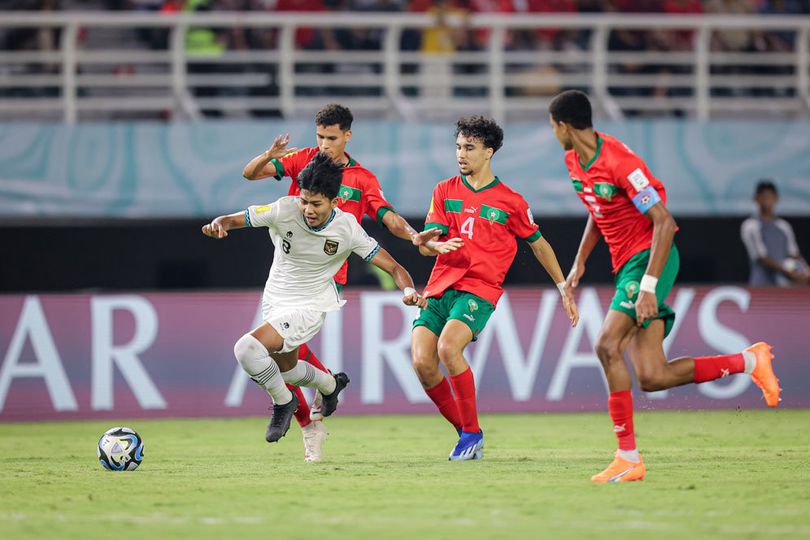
[[792, 246], [751, 234], [361, 243], [265, 215]]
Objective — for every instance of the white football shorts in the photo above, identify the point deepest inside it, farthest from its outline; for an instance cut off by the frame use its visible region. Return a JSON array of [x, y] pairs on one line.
[[296, 325]]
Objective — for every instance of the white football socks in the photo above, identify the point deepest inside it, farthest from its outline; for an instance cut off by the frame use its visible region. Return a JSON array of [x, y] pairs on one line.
[[305, 374], [750, 361], [256, 361], [630, 455]]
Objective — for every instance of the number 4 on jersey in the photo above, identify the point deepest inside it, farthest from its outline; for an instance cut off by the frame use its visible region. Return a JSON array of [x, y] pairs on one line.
[[467, 227]]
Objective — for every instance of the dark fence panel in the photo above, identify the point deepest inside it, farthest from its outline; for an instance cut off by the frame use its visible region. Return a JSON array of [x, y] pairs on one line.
[[150, 255]]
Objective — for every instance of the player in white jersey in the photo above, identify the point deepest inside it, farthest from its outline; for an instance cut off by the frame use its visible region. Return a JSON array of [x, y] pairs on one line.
[[312, 239]]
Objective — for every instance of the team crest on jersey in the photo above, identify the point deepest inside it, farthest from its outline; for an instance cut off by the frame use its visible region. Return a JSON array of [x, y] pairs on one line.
[[631, 289], [348, 193], [605, 190], [330, 247], [493, 215], [472, 304]]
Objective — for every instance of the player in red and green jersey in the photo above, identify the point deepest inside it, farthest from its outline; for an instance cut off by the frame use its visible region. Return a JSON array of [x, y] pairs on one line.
[[360, 194], [627, 207], [465, 284]]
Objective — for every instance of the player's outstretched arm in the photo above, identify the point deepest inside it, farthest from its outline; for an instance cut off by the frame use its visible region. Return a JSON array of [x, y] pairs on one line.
[[260, 166], [220, 226], [399, 227], [545, 255], [590, 237], [384, 261]]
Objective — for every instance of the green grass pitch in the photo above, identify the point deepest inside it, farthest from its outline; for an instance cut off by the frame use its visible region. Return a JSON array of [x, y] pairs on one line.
[[709, 475]]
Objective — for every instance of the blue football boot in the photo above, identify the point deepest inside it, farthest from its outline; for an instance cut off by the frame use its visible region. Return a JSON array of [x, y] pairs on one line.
[[470, 446]]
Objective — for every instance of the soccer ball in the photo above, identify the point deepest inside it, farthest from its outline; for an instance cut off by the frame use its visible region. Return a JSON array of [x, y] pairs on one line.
[[120, 449]]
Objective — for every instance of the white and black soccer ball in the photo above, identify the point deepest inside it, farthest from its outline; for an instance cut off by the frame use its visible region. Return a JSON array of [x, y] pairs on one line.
[[120, 449]]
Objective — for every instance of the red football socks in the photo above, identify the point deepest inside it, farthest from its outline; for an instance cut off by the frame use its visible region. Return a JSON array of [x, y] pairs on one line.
[[620, 406], [305, 354], [442, 396], [709, 368], [302, 412], [464, 388]]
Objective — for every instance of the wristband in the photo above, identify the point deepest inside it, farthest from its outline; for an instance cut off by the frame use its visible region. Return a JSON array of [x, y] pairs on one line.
[[648, 284], [408, 291], [561, 287]]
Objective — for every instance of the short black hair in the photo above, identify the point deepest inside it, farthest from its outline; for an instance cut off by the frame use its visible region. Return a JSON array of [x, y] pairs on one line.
[[572, 107], [484, 129], [321, 175], [335, 113], [766, 184]]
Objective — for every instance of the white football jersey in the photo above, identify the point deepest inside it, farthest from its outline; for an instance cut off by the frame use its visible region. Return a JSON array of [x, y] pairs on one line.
[[306, 259]]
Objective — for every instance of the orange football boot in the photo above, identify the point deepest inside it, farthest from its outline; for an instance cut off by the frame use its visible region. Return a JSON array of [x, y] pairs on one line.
[[621, 470], [763, 374]]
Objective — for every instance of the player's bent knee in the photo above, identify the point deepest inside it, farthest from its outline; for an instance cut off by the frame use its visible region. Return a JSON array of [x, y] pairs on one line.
[[608, 350], [651, 382], [425, 368], [247, 350], [447, 351]]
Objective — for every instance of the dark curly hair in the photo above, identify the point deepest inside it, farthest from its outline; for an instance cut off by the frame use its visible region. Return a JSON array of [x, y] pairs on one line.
[[483, 129], [321, 175], [335, 114], [572, 107]]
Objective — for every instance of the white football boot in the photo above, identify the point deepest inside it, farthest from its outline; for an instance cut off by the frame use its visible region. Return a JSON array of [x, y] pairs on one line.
[[315, 409], [314, 436]]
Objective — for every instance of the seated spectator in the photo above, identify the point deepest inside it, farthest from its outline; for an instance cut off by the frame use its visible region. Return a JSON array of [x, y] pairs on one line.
[[543, 38], [771, 244]]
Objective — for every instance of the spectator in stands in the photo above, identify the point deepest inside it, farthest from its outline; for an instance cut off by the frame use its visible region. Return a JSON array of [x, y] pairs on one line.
[[544, 38], [449, 33], [305, 38], [31, 39], [624, 40], [771, 244]]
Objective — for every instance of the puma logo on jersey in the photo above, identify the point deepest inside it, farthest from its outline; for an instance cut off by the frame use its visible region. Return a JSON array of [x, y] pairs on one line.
[[469, 317], [471, 210]]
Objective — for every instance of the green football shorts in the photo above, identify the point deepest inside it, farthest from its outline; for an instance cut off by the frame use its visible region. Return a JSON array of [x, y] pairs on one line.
[[466, 307], [628, 280]]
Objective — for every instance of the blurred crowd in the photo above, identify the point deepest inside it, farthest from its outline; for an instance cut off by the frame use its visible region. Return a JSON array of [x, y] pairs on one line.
[[451, 34], [445, 37]]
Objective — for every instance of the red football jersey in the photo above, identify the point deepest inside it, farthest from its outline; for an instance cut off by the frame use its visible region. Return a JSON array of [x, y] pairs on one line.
[[487, 220], [617, 188], [360, 192]]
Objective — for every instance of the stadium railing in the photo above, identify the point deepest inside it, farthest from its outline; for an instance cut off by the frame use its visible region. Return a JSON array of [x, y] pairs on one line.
[[76, 81]]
